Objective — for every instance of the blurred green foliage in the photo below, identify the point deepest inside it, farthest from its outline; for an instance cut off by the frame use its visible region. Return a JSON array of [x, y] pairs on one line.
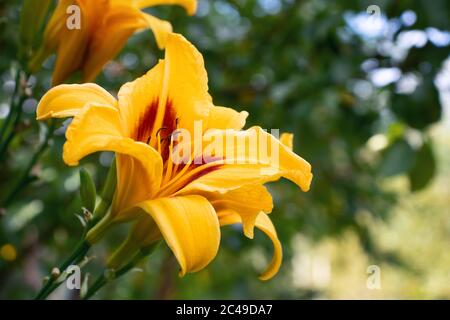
[[310, 67]]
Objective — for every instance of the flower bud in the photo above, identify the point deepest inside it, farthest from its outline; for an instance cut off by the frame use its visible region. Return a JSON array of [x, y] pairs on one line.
[[32, 17], [87, 191], [55, 273]]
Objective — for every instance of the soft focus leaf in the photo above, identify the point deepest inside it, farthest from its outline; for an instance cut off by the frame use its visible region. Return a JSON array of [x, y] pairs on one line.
[[424, 168], [420, 108], [397, 159], [32, 15], [88, 191]]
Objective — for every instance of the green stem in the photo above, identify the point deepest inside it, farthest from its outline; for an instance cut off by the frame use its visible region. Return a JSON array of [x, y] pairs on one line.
[[103, 279], [76, 256], [25, 176], [18, 116], [106, 197], [100, 220], [97, 285], [78, 253], [16, 109], [123, 254], [99, 212], [95, 233], [11, 106], [108, 190]]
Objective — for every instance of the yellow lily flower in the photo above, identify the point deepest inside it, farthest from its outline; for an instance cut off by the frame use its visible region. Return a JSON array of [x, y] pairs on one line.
[[183, 202], [104, 27]]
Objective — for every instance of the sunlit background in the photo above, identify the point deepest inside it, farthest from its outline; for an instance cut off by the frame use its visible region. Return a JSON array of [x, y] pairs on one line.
[[368, 99]]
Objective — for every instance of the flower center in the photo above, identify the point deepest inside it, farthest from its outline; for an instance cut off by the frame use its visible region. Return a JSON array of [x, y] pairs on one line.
[[162, 138]]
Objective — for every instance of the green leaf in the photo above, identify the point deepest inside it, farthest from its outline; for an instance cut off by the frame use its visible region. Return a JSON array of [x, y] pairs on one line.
[[85, 285], [420, 108], [87, 190], [398, 158], [110, 185], [423, 169], [32, 17]]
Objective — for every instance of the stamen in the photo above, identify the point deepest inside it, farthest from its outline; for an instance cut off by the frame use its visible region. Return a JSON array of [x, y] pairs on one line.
[[168, 172], [189, 177], [175, 167], [180, 174], [159, 130], [186, 166], [159, 141]]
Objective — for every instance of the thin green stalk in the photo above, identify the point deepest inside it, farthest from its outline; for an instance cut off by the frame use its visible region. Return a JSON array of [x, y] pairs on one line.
[[99, 212], [25, 176], [76, 256], [55, 283], [84, 246], [11, 106], [106, 197], [97, 285], [17, 117], [101, 281]]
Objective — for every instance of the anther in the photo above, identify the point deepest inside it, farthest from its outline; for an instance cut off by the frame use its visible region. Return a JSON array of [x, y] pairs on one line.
[[159, 130]]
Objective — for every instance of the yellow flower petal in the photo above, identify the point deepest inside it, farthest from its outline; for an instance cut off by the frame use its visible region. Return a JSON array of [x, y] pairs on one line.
[[185, 85], [51, 35], [137, 180], [94, 128], [257, 199], [189, 5], [56, 23], [138, 103], [105, 27], [244, 164], [161, 29], [263, 223], [66, 100], [190, 227], [98, 128], [226, 118], [176, 89], [288, 140], [119, 23], [73, 44]]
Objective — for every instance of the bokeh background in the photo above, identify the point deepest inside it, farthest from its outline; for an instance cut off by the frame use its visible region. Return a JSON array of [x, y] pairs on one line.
[[368, 99]]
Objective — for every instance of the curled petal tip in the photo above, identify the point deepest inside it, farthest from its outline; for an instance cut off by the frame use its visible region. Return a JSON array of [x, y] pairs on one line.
[[192, 8]]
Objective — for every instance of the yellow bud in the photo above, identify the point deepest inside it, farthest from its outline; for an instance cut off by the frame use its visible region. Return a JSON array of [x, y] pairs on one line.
[[8, 252]]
